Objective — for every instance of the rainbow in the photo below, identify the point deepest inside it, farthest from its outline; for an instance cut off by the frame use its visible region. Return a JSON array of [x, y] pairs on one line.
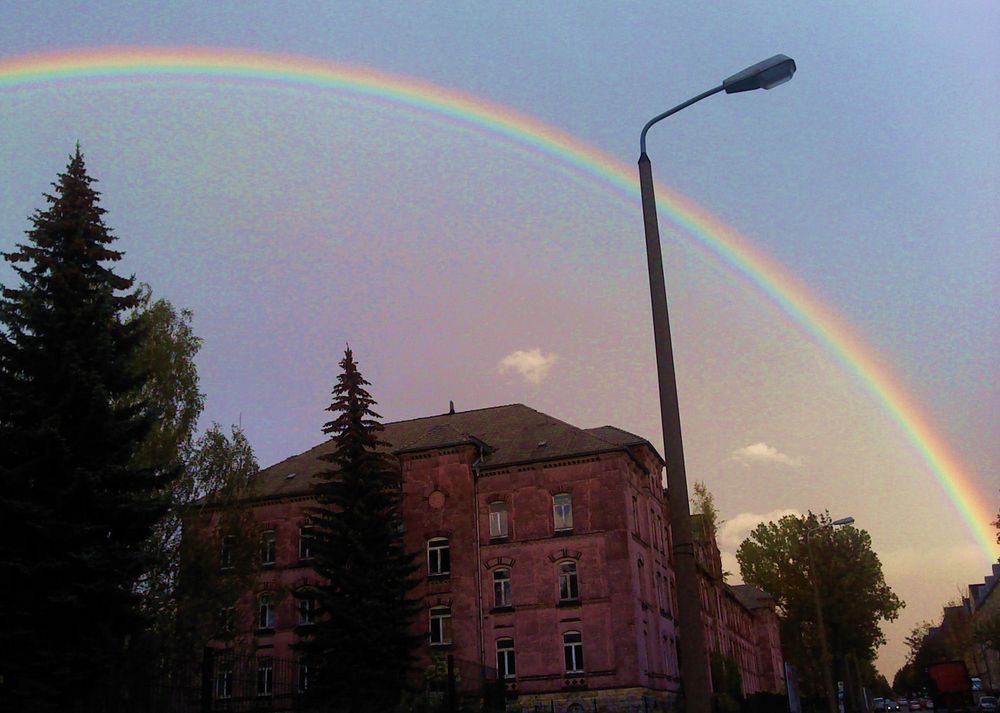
[[804, 307]]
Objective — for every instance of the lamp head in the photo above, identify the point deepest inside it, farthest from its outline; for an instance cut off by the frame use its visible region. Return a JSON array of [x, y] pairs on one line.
[[763, 75], [843, 521]]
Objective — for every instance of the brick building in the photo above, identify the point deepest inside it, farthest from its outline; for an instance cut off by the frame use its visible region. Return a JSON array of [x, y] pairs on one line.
[[545, 550]]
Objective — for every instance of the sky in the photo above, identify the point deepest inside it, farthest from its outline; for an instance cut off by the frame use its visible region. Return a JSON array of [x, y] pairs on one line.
[[462, 263]]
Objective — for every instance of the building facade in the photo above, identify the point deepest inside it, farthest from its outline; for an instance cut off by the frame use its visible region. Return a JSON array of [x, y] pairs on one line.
[[545, 552]]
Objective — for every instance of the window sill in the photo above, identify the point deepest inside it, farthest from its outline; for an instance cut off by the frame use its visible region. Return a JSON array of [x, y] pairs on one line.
[[502, 610], [499, 540], [562, 533], [568, 603], [441, 644], [442, 577]]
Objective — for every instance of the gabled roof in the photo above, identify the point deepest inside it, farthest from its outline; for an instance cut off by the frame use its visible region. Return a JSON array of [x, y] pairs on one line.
[[751, 597], [507, 435]]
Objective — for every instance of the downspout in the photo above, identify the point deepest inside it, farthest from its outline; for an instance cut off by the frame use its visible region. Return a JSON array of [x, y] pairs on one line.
[[479, 576]]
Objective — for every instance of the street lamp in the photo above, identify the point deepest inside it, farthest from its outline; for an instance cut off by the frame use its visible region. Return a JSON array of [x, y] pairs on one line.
[[824, 648], [697, 687]]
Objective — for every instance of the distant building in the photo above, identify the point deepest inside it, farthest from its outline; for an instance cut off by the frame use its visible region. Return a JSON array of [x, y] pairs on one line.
[[545, 552]]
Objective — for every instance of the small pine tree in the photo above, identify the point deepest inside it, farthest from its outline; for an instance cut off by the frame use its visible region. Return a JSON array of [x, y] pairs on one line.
[[74, 509], [362, 647]]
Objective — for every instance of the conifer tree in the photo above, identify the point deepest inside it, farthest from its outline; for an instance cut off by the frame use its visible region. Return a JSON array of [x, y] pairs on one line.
[[362, 646], [74, 510]]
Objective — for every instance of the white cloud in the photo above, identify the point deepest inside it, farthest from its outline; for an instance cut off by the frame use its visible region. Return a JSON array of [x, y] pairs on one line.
[[762, 453], [532, 365], [736, 529]]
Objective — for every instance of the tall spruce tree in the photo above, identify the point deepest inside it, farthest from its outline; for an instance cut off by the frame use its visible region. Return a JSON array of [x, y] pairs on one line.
[[362, 645], [74, 510]]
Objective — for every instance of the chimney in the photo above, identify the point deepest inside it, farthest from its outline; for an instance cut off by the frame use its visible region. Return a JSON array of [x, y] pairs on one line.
[[451, 407]]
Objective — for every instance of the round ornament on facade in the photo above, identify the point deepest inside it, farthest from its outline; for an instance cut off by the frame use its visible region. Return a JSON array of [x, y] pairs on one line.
[[436, 500]]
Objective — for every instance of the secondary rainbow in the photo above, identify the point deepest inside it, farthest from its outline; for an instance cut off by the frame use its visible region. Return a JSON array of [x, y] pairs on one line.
[[793, 297]]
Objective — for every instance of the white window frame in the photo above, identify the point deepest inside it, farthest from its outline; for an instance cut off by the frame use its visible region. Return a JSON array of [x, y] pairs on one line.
[[440, 626], [438, 556], [225, 678], [573, 651], [306, 608], [506, 663], [503, 593], [302, 682], [266, 611], [499, 525], [569, 581], [226, 552], [265, 676], [305, 542], [562, 512], [268, 547]]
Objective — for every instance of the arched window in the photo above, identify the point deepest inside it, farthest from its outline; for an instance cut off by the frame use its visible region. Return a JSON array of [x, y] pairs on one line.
[[573, 651], [498, 519], [502, 593], [308, 605], [505, 659], [265, 611], [440, 625], [438, 556], [569, 589], [562, 512]]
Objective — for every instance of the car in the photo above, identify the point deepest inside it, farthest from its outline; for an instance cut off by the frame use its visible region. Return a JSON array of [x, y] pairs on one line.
[[878, 705], [915, 704], [891, 705], [928, 704], [987, 704]]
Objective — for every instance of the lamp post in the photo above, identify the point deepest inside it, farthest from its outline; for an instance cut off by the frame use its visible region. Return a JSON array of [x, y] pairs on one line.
[[695, 674], [824, 648]]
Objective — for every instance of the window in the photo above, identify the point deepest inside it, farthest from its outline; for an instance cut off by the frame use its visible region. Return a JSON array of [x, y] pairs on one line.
[[224, 678], [227, 619], [441, 625], [505, 659], [568, 585], [305, 542], [438, 556], [502, 596], [654, 537], [303, 676], [265, 611], [498, 519], [307, 608], [562, 511], [227, 554], [573, 651], [268, 545], [635, 514], [265, 676]]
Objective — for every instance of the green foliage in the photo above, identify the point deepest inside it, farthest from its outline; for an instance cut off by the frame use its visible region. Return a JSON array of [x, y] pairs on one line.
[[75, 506], [166, 357], [221, 472], [987, 630], [703, 503], [852, 588], [362, 646], [727, 683]]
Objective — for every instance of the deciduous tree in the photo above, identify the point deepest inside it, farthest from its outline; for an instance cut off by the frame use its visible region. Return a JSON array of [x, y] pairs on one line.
[[362, 646], [853, 592]]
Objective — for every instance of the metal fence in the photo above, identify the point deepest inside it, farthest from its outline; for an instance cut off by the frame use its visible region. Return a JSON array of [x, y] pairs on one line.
[[223, 682]]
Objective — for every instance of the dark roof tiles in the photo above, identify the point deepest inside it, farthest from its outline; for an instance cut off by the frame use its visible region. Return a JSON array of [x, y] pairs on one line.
[[509, 435]]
